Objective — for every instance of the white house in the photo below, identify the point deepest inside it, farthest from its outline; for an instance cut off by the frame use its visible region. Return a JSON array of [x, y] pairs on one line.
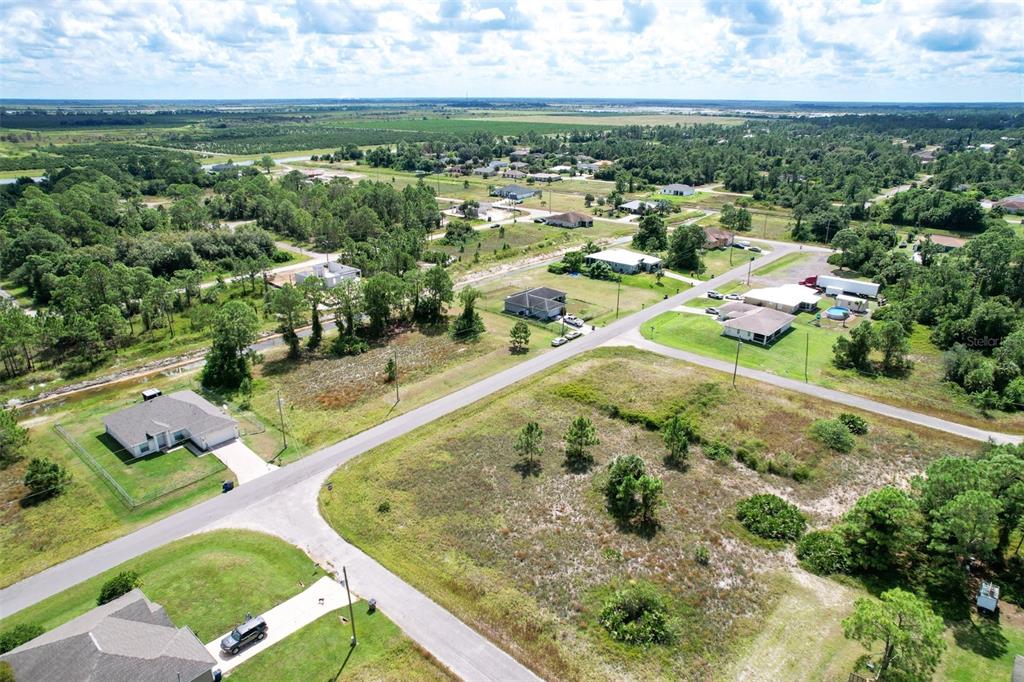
[[331, 273], [627, 262], [788, 298], [169, 420], [678, 190], [753, 323]]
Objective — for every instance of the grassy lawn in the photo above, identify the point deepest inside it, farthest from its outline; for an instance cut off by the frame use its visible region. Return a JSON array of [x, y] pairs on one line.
[[207, 582], [786, 261], [718, 261], [320, 651], [924, 389], [985, 657], [593, 300], [528, 560]]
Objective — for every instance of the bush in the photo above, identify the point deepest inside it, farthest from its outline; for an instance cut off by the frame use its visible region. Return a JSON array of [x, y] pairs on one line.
[[121, 584], [702, 555], [637, 615], [718, 451], [557, 268], [347, 344], [45, 478], [771, 517], [857, 424], [833, 434], [823, 552], [6, 672], [12, 638], [384, 507]]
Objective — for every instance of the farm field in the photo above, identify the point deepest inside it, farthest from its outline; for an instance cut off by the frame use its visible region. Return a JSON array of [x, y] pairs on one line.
[[320, 651], [207, 581], [614, 119], [529, 559], [924, 389]]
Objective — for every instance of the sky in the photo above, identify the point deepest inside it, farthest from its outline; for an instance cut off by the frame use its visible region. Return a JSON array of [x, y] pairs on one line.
[[849, 50]]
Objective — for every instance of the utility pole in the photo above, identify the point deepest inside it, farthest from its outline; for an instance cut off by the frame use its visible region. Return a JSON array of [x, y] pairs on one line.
[[617, 291], [807, 354], [280, 413], [764, 231], [351, 613], [750, 266], [395, 360], [736, 365]]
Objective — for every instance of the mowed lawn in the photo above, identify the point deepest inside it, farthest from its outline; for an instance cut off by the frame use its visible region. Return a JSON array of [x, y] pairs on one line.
[[923, 389], [593, 300], [529, 559], [320, 651], [207, 581]]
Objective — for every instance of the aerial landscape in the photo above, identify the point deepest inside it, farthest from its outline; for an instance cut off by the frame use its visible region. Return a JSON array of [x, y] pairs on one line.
[[495, 340]]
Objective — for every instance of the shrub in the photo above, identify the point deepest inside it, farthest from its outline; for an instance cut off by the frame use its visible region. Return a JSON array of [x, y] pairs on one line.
[[12, 638], [823, 552], [752, 460], [771, 517], [6, 672], [637, 615], [833, 434], [46, 478], [702, 555], [121, 584], [718, 451], [348, 344], [557, 268], [384, 507], [857, 424]]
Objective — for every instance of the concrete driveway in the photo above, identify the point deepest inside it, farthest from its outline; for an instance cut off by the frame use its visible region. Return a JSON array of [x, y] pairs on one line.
[[324, 596], [245, 464]]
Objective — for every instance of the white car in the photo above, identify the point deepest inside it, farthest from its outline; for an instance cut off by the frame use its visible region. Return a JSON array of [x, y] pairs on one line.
[[733, 297], [573, 320], [559, 341], [743, 244], [715, 295], [574, 334]]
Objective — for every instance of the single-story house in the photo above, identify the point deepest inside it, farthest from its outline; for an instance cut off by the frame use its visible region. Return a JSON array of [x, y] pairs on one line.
[[127, 639], [519, 154], [753, 323], [947, 243], [543, 303], [519, 165], [717, 239], [627, 262], [221, 167], [588, 167], [168, 420], [677, 189], [560, 168], [570, 219], [545, 177], [331, 273], [513, 175], [1014, 204], [514, 192], [788, 298], [924, 155], [637, 206], [485, 171]]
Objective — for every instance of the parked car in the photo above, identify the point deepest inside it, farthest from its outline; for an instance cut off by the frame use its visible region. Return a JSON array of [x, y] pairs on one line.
[[715, 295], [755, 249], [711, 311], [573, 320], [573, 334], [559, 341], [251, 631], [538, 220], [743, 243], [737, 245], [733, 297]]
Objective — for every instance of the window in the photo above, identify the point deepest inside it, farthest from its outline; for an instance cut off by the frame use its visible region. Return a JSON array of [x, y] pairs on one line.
[[144, 447], [180, 435]]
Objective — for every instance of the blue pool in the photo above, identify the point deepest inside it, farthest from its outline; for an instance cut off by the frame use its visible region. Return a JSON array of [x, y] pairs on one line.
[[837, 312]]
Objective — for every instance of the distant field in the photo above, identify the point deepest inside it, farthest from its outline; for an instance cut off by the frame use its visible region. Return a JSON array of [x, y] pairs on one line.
[[496, 126], [610, 120]]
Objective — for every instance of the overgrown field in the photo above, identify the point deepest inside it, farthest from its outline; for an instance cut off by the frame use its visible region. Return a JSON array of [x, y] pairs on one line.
[[528, 560]]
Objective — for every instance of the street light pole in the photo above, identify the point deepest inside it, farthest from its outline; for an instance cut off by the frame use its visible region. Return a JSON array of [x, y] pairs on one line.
[[617, 291], [395, 359], [280, 412], [351, 613], [736, 365], [750, 265], [807, 354]]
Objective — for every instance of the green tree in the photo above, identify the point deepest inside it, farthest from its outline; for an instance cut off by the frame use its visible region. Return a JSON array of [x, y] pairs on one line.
[[736, 219], [13, 438], [966, 526], [637, 615], [631, 494], [266, 162], [579, 438], [677, 433], [315, 292], [45, 478], [118, 586], [884, 530], [528, 447], [14, 637], [909, 632], [288, 304], [468, 325], [519, 337], [234, 330], [573, 261], [381, 293], [437, 292], [893, 340], [651, 234], [588, 199], [685, 248], [853, 352]]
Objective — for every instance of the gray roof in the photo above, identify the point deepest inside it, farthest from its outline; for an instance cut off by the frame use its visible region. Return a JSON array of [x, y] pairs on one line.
[[515, 189], [181, 410], [764, 321], [676, 186], [541, 298], [130, 638]]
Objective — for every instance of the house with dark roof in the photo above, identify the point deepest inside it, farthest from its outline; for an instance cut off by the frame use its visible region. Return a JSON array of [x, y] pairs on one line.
[[570, 219], [677, 189], [514, 192], [125, 640], [543, 303], [169, 420], [754, 323]]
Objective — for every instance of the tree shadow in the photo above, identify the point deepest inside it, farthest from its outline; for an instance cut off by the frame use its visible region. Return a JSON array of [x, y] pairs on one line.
[[280, 366], [647, 531], [983, 636], [578, 466], [527, 468]]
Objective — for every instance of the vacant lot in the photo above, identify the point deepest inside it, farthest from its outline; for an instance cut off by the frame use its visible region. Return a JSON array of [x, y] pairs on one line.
[[923, 389], [321, 651], [528, 560], [207, 582]]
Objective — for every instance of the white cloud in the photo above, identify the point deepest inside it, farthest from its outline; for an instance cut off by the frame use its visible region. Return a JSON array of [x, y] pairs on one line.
[[741, 49]]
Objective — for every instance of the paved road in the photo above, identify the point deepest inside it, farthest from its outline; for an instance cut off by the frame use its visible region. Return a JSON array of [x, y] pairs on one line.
[[634, 338]]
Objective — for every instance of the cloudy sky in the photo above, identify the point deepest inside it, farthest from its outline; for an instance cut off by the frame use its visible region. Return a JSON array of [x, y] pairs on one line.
[[894, 50]]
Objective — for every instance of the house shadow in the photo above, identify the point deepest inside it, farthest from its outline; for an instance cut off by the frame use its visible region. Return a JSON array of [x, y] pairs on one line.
[[125, 457]]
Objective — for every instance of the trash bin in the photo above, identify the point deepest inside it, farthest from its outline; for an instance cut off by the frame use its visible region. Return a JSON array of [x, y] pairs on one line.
[[227, 486]]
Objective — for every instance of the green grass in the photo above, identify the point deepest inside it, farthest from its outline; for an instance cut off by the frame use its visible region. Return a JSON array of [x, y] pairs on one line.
[[207, 582], [961, 664], [782, 263], [717, 261], [320, 650], [464, 126]]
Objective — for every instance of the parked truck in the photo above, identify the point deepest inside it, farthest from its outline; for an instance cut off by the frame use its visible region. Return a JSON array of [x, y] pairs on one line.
[[835, 286]]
